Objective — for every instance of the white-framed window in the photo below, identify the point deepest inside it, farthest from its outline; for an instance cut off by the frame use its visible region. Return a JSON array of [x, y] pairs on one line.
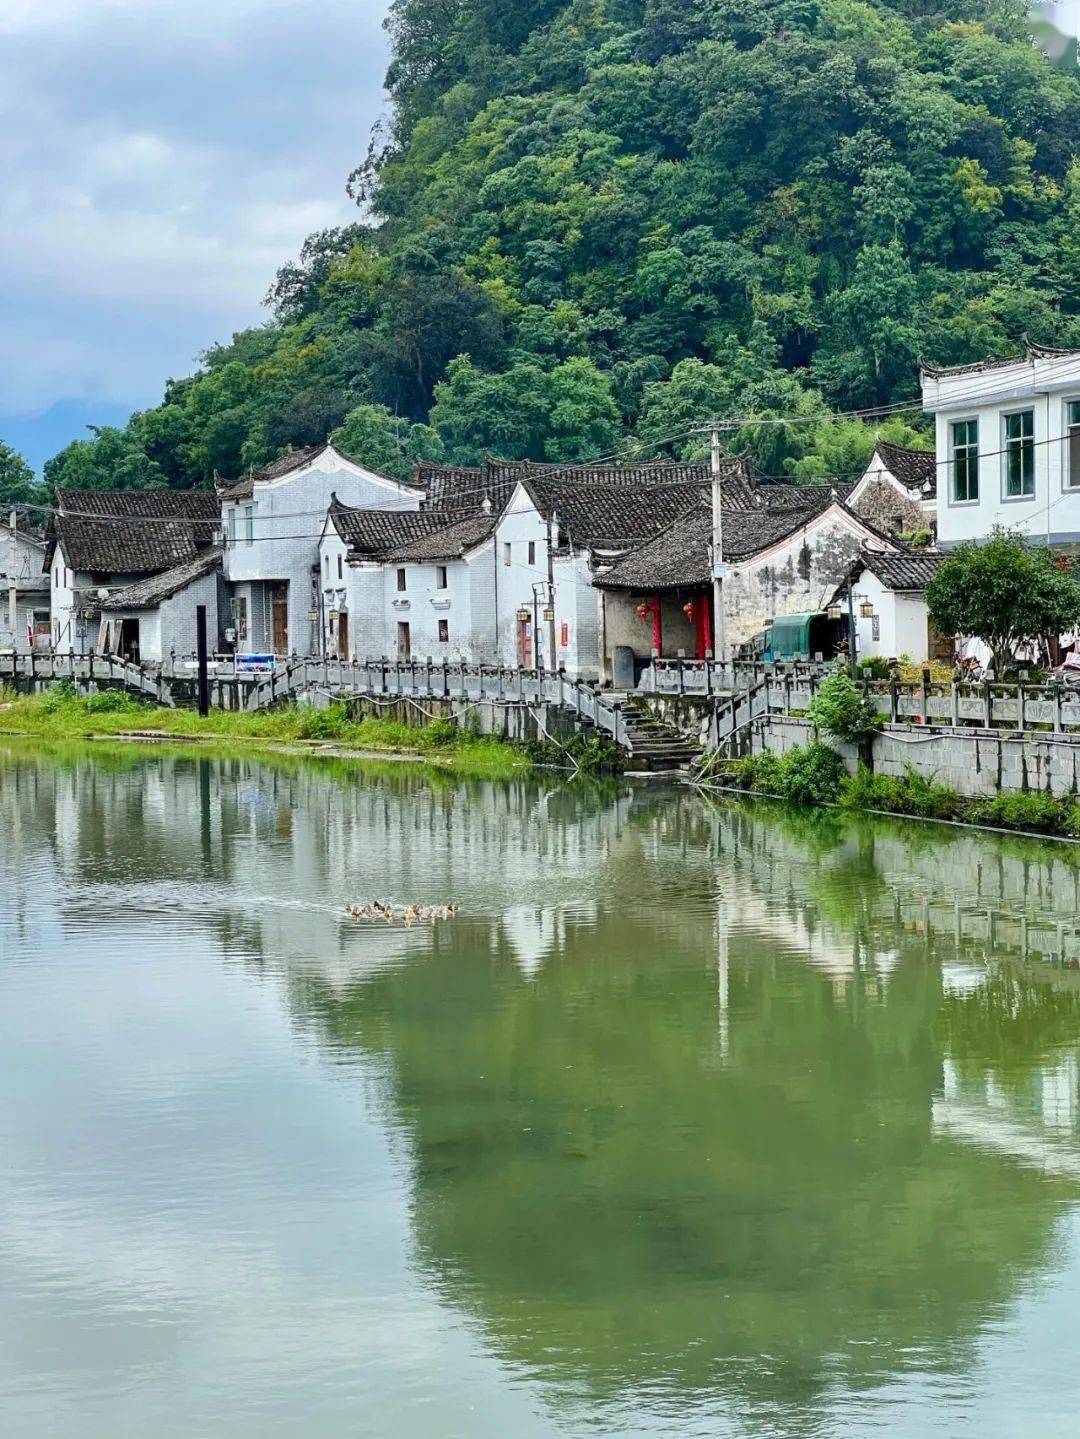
[[965, 461], [1019, 446], [232, 524], [1072, 444], [249, 524], [440, 577]]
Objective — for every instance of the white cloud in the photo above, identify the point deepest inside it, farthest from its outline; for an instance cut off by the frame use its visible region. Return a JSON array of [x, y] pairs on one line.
[[160, 162]]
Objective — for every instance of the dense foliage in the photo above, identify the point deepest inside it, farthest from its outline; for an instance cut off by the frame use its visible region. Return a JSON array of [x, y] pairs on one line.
[[843, 711], [1005, 592], [17, 483], [591, 219]]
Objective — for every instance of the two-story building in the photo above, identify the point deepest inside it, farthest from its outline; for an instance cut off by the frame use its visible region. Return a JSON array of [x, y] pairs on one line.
[[1008, 446], [274, 520], [24, 590]]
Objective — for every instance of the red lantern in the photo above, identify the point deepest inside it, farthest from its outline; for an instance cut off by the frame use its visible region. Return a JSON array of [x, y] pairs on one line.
[[688, 610], [643, 610]]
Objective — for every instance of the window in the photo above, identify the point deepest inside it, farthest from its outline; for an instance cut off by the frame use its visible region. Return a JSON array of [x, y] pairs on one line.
[[1072, 433], [1020, 455], [56, 579], [326, 566], [440, 577], [232, 525], [506, 554], [444, 632], [401, 581], [532, 552], [249, 524], [339, 570], [240, 617], [965, 457]]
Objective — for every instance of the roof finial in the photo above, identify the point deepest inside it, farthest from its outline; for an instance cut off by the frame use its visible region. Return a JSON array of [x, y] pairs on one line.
[[485, 505]]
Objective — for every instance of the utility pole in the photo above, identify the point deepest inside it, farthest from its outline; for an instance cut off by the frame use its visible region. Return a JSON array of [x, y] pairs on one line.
[[13, 583], [551, 591], [718, 568], [201, 661]]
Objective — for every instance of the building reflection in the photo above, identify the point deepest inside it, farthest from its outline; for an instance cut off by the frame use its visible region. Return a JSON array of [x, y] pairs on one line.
[[695, 1100]]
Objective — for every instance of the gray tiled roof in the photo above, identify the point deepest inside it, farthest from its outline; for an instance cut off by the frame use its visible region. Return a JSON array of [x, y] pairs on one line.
[[1031, 351], [448, 543], [912, 571], [150, 592], [913, 468], [244, 488], [133, 531], [372, 534]]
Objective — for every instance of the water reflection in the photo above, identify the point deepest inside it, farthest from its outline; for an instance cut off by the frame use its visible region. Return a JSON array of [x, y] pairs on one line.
[[713, 1118]]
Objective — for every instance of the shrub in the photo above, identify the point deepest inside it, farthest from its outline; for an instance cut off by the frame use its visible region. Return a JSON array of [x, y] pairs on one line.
[[330, 723], [909, 793], [874, 667], [441, 732], [842, 710], [110, 702], [812, 775], [1038, 812], [59, 693]]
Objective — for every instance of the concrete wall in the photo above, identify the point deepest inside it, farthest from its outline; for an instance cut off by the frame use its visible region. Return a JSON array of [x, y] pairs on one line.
[[971, 762], [504, 721]]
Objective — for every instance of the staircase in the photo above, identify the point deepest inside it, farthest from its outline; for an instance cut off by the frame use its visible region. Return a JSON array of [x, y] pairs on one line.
[[654, 745]]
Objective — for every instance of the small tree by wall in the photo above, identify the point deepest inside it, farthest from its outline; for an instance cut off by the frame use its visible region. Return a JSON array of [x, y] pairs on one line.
[[1004, 592]]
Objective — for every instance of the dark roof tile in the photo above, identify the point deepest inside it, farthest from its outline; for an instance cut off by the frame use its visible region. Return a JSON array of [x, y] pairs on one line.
[[150, 592], [133, 531]]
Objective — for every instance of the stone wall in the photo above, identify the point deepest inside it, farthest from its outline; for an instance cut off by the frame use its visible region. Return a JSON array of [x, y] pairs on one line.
[[504, 721], [972, 762], [890, 509]]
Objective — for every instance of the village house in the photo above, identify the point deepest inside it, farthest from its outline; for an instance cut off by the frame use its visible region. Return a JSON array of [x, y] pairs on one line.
[[892, 587], [408, 585], [273, 520], [154, 620], [24, 589], [897, 491], [1008, 446], [103, 541], [785, 550]]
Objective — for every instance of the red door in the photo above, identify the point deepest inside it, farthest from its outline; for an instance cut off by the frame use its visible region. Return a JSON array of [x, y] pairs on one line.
[[525, 643]]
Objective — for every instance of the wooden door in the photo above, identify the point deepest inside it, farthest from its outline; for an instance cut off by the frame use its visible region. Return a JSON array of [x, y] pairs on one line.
[[279, 602], [525, 648], [404, 643], [343, 635]]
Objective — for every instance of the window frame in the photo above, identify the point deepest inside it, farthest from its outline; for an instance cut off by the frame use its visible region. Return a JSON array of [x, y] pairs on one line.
[[249, 524], [444, 632], [969, 446], [1068, 428], [442, 580], [402, 580], [340, 570], [507, 561], [231, 525], [532, 552], [1022, 446]]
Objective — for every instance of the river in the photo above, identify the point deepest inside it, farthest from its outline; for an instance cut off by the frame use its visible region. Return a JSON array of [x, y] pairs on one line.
[[694, 1120]]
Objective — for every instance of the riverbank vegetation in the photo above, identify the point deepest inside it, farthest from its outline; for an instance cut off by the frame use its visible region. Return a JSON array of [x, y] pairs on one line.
[[815, 774], [61, 714]]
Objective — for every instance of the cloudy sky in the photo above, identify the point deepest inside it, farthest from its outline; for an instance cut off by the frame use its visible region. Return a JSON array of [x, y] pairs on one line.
[[160, 159]]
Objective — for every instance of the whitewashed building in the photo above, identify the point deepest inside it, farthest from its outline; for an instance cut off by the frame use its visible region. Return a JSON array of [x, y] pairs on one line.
[[274, 521], [1008, 446], [24, 590], [897, 492], [154, 620], [101, 541], [893, 587]]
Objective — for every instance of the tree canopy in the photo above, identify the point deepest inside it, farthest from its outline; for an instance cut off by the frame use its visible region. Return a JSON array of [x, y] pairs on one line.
[[1004, 592], [590, 220], [17, 483]]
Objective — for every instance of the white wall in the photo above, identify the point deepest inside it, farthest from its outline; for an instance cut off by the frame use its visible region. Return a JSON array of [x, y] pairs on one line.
[[1044, 386], [288, 517], [902, 622]]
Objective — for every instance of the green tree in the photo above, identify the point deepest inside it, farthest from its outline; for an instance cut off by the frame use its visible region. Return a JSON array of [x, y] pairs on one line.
[[17, 483], [1004, 592]]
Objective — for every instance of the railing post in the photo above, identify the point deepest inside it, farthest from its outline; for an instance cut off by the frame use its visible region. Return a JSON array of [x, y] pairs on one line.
[[1021, 706], [988, 705], [1057, 708]]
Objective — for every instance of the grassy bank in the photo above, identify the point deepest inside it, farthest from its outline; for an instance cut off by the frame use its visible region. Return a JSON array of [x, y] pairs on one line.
[[61, 715], [814, 774]]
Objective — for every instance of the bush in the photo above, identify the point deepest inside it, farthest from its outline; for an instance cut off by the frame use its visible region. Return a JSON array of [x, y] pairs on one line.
[[875, 667], [1039, 812], [441, 732], [591, 754], [909, 793], [329, 723], [812, 775], [110, 702], [842, 710], [59, 693]]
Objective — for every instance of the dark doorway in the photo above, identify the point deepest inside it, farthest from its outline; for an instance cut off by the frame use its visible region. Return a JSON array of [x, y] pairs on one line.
[[279, 607], [343, 635], [404, 643], [129, 640]]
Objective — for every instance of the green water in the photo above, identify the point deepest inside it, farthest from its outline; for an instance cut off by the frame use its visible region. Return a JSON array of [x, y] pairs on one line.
[[694, 1121]]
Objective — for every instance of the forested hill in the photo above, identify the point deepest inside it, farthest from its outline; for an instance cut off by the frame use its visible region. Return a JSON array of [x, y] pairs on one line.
[[611, 218]]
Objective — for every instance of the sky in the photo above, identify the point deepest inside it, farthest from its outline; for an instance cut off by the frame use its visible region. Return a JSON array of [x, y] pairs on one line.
[[160, 160]]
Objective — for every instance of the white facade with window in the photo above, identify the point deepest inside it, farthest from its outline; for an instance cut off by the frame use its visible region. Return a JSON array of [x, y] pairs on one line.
[[1008, 446]]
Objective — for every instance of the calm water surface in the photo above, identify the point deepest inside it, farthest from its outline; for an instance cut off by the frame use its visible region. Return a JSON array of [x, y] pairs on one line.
[[694, 1121]]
